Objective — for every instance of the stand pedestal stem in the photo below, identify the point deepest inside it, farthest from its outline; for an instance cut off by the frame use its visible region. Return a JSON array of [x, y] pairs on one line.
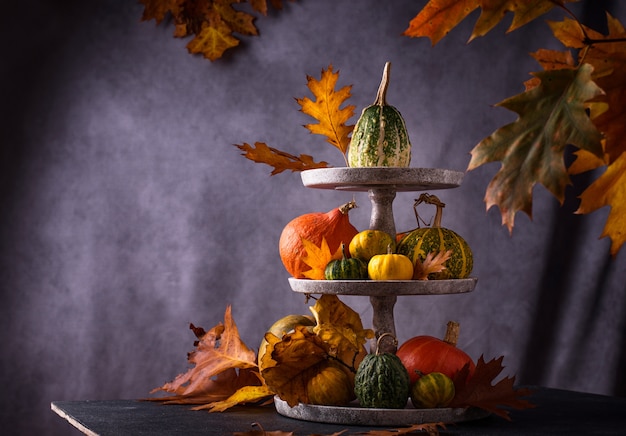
[[382, 306]]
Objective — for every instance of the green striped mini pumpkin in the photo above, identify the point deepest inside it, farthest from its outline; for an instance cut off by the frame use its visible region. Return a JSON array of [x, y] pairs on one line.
[[417, 243], [432, 390], [380, 137]]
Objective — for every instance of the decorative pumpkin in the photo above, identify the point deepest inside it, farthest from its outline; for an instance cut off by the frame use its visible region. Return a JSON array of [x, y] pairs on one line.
[[346, 268], [334, 226], [390, 266], [426, 354], [330, 386], [380, 137], [280, 328], [417, 243], [432, 390], [369, 243], [382, 381]]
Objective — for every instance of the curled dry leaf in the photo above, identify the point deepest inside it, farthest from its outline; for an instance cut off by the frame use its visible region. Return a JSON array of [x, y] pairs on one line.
[[433, 263]]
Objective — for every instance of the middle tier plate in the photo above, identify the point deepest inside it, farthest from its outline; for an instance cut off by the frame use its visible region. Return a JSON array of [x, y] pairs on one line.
[[383, 287]]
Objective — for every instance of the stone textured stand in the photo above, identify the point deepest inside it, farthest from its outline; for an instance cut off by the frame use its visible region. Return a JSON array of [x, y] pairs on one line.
[[381, 184]]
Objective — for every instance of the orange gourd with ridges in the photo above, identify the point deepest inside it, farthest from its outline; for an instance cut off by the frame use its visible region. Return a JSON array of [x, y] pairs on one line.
[[334, 226]]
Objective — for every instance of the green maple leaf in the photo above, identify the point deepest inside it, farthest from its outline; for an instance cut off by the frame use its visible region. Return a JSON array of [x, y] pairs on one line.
[[551, 116]]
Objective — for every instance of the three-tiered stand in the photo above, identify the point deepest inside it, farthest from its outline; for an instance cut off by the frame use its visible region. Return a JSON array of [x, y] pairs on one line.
[[382, 184]]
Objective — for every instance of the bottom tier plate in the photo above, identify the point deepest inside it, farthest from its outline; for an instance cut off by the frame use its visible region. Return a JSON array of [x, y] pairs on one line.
[[354, 415]]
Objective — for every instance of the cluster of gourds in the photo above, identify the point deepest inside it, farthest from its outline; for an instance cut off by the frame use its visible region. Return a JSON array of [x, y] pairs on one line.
[[373, 254], [422, 370]]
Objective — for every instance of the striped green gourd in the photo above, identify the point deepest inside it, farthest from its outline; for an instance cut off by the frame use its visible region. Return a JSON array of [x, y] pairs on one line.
[[380, 137], [382, 381], [432, 390], [417, 243], [346, 268]]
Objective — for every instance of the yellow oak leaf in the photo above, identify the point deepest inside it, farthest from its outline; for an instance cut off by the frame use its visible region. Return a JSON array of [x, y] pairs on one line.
[[326, 109], [237, 21], [318, 257], [212, 41], [280, 160], [243, 395], [609, 190]]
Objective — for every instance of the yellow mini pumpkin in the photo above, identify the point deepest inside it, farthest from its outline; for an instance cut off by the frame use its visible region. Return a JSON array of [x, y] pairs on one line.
[[390, 266], [368, 243]]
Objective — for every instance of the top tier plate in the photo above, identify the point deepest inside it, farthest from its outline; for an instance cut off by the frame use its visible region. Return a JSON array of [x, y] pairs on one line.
[[399, 179]]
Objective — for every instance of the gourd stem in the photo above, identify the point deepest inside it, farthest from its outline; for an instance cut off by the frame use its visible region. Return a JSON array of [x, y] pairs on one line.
[[395, 341], [345, 208], [343, 251], [452, 333], [430, 199], [381, 95]]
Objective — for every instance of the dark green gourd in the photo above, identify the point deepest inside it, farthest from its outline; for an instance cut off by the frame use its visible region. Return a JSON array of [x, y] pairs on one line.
[[346, 268], [380, 137], [382, 381]]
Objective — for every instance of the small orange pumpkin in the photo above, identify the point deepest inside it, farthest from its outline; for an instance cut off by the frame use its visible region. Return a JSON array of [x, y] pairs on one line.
[[334, 226]]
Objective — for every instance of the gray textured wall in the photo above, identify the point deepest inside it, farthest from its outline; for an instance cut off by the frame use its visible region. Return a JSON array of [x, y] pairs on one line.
[[126, 213]]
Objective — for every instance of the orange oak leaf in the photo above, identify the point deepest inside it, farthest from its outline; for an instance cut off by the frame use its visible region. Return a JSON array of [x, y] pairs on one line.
[[222, 365], [609, 190], [317, 258], [433, 263], [550, 60], [327, 110], [479, 390], [439, 17], [280, 160]]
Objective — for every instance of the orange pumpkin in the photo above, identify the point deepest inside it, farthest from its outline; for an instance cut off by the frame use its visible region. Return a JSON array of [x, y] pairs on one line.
[[334, 226], [426, 354]]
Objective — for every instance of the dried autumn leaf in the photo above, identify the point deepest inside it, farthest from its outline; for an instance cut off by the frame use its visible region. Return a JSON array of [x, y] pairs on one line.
[[158, 9], [210, 22], [213, 40], [550, 60], [433, 263], [290, 362], [326, 109], [222, 365], [551, 116], [263, 432], [432, 428], [609, 190], [439, 17], [340, 327], [280, 160], [479, 390], [317, 258], [245, 394]]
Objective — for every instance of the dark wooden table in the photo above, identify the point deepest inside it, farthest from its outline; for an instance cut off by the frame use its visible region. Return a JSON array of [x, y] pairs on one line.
[[557, 412]]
